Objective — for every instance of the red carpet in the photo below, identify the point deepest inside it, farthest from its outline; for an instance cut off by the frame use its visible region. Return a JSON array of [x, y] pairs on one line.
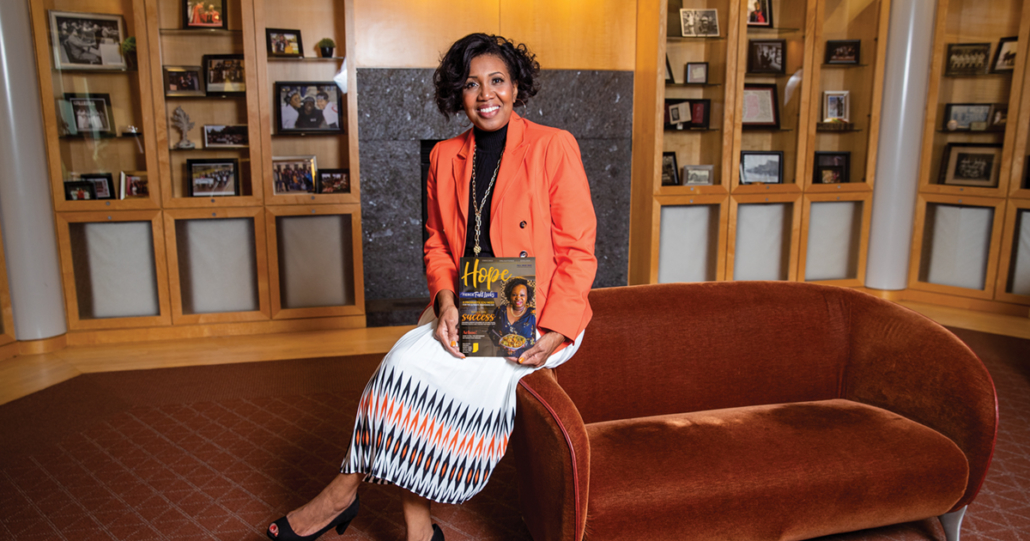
[[219, 452]]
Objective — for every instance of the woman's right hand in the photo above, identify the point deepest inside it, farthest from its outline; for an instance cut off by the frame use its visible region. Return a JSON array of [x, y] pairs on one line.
[[447, 326]]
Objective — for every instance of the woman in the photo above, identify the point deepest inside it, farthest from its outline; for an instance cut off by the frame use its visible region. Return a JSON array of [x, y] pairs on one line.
[[516, 315], [430, 420]]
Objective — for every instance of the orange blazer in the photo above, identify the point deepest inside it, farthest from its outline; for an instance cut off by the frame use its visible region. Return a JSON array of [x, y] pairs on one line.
[[541, 208]]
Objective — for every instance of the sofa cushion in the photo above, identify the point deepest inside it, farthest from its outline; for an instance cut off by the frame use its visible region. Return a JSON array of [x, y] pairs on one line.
[[785, 471]]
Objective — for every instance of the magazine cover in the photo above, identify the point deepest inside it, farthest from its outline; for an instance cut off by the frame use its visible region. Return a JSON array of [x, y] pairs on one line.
[[497, 306]]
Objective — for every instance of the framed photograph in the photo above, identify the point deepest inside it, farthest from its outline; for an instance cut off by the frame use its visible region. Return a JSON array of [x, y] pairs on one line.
[[1026, 176], [760, 109], [184, 81], [1005, 55], [213, 177], [761, 167], [670, 172], [963, 116], [103, 184], [79, 190], [836, 106], [832, 168], [87, 41], [687, 114], [698, 175], [224, 74], [333, 181], [697, 73], [233, 136], [205, 14], [283, 42], [970, 164], [293, 175], [699, 23], [669, 79], [767, 56], [967, 58], [759, 13], [133, 185], [999, 117], [843, 51], [308, 107], [677, 113], [88, 114]]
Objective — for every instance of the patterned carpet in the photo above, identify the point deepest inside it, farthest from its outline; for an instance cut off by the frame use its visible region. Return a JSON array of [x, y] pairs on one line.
[[218, 452]]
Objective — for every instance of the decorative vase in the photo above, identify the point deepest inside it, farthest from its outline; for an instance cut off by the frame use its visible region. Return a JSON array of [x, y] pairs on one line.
[[327, 52]]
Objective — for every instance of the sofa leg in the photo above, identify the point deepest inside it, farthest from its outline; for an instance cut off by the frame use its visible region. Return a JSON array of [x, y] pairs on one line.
[[952, 523]]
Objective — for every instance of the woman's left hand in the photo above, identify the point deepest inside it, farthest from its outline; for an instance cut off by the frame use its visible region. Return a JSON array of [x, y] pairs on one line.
[[537, 355]]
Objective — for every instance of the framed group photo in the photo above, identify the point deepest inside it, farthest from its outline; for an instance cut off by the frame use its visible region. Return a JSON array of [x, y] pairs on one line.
[[699, 23], [971, 164], [87, 114], [759, 13], [843, 51], [670, 171], [224, 74], [213, 177], [832, 168], [966, 116], [308, 107], [184, 81], [233, 136], [79, 190], [1005, 55], [767, 56], [967, 59], [87, 41], [333, 181], [293, 174], [761, 167], [698, 175], [282, 42], [760, 107], [205, 14]]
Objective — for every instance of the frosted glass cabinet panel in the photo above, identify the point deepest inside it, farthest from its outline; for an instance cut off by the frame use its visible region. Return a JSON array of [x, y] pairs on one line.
[[217, 265], [689, 242], [1019, 277], [833, 240], [315, 263], [762, 248], [114, 269], [956, 245]]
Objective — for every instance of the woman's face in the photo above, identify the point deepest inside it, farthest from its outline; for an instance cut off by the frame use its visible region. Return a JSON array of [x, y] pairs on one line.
[[518, 297], [489, 94]]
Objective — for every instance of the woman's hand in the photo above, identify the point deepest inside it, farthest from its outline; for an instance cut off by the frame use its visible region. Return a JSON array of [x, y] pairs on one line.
[[447, 327], [537, 355]]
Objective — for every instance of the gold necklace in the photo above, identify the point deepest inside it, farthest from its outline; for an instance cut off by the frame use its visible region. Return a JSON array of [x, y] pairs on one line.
[[479, 206]]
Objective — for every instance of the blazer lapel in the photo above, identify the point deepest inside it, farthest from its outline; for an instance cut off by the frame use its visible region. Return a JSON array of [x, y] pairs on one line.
[[511, 162], [462, 175]]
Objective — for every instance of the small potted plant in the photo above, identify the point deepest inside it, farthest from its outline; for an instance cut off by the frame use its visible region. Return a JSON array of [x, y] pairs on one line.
[[326, 46], [129, 52]]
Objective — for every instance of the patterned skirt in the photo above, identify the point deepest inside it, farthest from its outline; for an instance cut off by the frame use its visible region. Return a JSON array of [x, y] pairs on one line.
[[434, 424]]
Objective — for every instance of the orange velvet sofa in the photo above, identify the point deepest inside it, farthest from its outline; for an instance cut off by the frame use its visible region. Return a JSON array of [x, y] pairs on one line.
[[752, 411]]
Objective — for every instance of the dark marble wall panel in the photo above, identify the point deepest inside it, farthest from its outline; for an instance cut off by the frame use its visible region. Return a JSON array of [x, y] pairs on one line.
[[397, 111]]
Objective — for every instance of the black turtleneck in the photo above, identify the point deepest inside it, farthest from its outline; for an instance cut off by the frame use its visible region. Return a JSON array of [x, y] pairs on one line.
[[488, 148]]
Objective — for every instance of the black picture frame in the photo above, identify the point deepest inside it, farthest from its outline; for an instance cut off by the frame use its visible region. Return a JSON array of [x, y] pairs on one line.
[[217, 19], [87, 41], [831, 168], [695, 68], [669, 79], [843, 51], [188, 81], [966, 59], [224, 74], [89, 114], [333, 181], [103, 185], [79, 190], [700, 113], [762, 17], [1026, 174], [761, 107], [970, 164], [221, 185], [670, 170], [283, 96], [1006, 54], [277, 41], [294, 175], [963, 116], [767, 56], [761, 173]]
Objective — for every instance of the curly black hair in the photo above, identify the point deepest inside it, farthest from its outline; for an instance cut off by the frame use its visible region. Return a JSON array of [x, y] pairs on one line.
[[450, 76], [510, 287]]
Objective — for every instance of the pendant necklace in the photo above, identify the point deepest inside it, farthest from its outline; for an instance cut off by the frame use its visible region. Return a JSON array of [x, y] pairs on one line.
[[479, 206]]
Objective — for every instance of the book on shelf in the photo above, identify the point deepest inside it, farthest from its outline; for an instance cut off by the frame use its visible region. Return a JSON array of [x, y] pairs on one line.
[[497, 306]]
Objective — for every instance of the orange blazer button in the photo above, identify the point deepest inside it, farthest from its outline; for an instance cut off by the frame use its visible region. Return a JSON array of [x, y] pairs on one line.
[[523, 254], [522, 224]]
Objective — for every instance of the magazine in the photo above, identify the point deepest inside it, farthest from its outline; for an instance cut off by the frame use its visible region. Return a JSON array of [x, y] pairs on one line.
[[497, 306]]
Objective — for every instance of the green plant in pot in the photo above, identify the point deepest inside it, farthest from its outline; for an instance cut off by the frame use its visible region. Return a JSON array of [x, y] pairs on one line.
[[326, 46], [128, 47]]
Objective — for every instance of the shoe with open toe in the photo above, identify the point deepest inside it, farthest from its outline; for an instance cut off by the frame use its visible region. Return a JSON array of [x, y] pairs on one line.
[[280, 530]]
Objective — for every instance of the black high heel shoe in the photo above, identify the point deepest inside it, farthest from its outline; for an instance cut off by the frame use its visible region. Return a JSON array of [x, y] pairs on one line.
[[280, 530], [437, 534]]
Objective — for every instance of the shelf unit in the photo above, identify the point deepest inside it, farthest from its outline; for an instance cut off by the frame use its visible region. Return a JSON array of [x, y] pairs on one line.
[[207, 266]]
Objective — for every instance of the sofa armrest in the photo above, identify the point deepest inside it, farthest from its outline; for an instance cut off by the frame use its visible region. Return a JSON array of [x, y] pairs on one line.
[[552, 455], [903, 362]]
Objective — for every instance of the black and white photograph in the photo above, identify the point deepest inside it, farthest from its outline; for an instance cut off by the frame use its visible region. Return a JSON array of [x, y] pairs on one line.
[[89, 41], [308, 107], [966, 116], [761, 167], [843, 51], [214, 177], [103, 184], [233, 136], [183, 81], [697, 73], [967, 58], [204, 14], [970, 164], [767, 56], [677, 112], [224, 74], [1005, 55], [283, 42], [333, 181], [698, 175], [89, 114], [759, 13], [999, 117], [79, 190], [836, 106], [670, 171], [832, 168], [133, 185], [699, 23], [760, 107], [293, 174]]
